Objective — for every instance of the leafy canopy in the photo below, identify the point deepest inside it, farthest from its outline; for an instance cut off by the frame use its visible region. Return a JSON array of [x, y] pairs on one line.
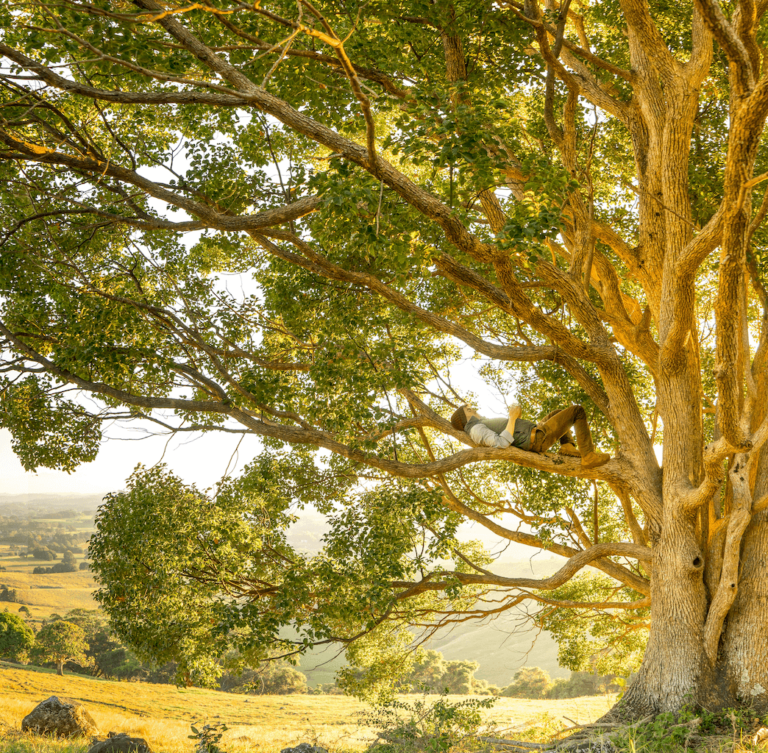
[[329, 225]]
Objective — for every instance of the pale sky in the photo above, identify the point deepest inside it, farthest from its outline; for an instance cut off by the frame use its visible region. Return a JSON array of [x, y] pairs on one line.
[[200, 460]]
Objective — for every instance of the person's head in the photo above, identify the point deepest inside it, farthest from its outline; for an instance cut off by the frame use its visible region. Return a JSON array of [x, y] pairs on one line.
[[461, 416]]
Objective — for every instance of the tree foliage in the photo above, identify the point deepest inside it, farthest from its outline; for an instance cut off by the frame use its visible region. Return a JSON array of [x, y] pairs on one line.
[[529, 682], [61, 641], [328, 226], [273, 678], [432, 673], [16, 637]]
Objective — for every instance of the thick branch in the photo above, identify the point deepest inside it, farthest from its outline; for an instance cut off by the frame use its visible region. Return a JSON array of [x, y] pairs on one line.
[[576, 563]]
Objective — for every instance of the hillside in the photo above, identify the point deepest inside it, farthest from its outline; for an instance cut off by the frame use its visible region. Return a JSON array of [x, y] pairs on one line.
[[501, 646], [264, 724]]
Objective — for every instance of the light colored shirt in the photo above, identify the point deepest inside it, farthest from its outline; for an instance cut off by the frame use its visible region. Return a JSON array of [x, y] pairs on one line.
[[492, 432]]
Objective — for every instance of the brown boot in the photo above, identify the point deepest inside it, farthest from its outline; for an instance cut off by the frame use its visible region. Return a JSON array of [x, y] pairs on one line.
[[569, 449], [594, 459], [589, 458]]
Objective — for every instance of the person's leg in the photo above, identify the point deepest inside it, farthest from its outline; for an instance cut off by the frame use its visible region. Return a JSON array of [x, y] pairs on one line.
[[549, 431], [565, 439], [567, 443], [555, 425]]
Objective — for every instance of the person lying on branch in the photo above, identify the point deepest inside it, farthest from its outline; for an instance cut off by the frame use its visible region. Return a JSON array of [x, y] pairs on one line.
[[530, 436]]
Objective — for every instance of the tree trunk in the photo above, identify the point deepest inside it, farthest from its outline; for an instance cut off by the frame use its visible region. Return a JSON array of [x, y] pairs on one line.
[[744, 648], [672, 666], [675, 669], [60, 668]]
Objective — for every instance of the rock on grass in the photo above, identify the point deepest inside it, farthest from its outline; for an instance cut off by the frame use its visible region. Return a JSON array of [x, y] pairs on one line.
[[59, 718]]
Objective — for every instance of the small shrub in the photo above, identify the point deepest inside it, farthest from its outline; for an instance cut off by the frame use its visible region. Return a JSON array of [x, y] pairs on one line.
[[423, 727], [208, 737]]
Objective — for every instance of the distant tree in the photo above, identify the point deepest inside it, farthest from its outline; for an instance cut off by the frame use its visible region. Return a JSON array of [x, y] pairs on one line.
[[25, 611], [59, 567], [43, 553], [8, 594], [279, 679], [582, 684], [459, 677], [84, 565], [107, 656], [528, 682], [428, 671], [272, 678], [119, 662], [16, 637], [62, 641], [69, 558], [432, 672], [327, 688]]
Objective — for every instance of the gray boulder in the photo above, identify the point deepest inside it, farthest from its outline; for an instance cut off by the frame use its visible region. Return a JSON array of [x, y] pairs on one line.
[[60, 718], [304, 748], [120, 743]]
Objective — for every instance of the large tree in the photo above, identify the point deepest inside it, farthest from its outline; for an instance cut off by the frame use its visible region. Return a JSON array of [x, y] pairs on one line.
[[298, 220], [59, 642]]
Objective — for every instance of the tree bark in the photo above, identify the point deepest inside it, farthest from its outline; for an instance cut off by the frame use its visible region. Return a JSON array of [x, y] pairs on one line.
[[672, 665], [744, 649]]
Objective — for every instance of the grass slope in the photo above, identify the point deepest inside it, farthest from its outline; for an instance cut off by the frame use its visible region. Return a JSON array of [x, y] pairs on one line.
[[258, 724]]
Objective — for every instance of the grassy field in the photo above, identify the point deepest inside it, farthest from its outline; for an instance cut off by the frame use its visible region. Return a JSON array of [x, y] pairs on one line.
[[258, 724], [47, 594], [53, 593]]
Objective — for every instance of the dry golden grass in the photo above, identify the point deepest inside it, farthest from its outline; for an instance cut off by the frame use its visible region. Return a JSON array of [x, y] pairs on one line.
[[258, 724], [45, 594]]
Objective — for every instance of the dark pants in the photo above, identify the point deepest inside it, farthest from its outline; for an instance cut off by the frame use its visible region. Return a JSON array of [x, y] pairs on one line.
[[556, 426]]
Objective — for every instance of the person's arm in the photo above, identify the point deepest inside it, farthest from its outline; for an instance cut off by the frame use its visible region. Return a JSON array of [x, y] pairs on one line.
[[515, 411], [486, 437]]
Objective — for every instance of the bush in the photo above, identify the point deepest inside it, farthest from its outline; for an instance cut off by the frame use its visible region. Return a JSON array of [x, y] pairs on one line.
[[439, 727], [84, 565], [529, 682], [209, 737]]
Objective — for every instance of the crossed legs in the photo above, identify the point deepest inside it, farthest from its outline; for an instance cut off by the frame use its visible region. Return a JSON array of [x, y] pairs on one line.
[[556, 426]]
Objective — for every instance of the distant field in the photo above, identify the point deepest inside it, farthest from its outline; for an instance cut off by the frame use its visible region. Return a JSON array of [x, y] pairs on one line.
[[57, 593], [45, 594], [258, 724], [501, 646]]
